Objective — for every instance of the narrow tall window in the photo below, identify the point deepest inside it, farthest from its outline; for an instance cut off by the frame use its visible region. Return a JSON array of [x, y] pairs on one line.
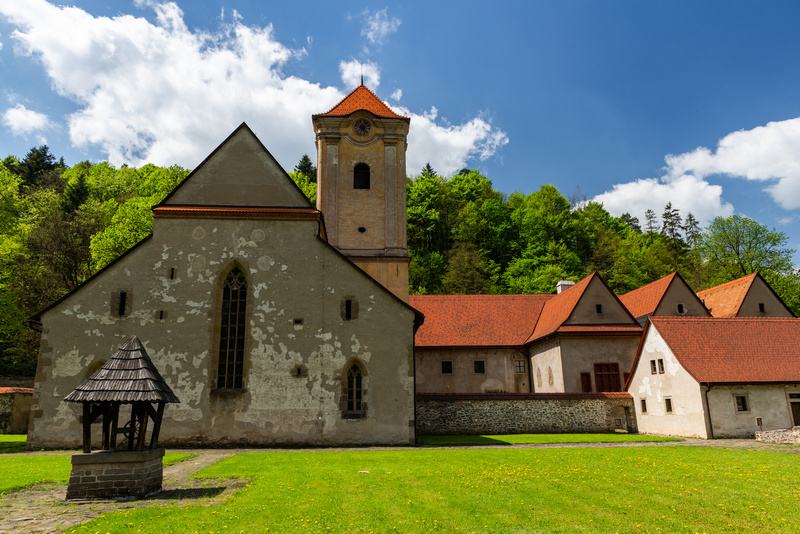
[[761, 307], [355, 391], [599, 308], [361, 176], [668, 404], [653, 367], [681, 309], [586, 382], [644, 405], [661, 366], [123, 298], [231, 343]]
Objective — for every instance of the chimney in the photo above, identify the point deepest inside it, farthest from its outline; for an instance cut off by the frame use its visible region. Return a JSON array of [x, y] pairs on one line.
[[563, 285]]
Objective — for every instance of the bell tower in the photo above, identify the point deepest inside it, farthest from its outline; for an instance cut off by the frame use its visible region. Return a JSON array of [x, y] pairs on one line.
[[361, 185]]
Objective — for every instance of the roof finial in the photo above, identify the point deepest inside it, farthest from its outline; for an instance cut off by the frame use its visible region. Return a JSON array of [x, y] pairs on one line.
[[362, 72]]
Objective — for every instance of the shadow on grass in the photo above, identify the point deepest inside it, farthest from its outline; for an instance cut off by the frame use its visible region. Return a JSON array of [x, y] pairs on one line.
[[189, 493], [459, 440]]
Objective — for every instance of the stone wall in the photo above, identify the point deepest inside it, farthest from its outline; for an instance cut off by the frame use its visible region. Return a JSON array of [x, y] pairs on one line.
[[791, 435], [113, 474], [15, 409], [523, 413]]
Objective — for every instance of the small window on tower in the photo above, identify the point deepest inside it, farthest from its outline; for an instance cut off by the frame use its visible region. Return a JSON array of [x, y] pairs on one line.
[[361, 176]]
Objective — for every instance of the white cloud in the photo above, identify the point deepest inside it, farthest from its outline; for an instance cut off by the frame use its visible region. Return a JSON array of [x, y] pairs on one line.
[[768, 154], [352, 71], [396, 95], [23, 121], [164, 94], [686, 192], [448, 148], [378, 26]]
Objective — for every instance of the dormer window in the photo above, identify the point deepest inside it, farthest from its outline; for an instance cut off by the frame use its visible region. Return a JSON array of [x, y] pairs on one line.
[[361, 176]]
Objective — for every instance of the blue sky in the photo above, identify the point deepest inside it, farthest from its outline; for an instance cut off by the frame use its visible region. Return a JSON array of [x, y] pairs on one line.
[[634, 103]]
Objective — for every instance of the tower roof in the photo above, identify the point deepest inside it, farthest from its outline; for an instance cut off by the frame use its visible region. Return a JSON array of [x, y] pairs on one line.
[[359, 99]]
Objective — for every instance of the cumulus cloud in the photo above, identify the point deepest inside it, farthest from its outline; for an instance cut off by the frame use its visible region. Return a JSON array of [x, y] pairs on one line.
[[396, 95], [769, 154], [352, 71], [23, 121], [378, 26], [448, 148], [686, 192], [162, 93]]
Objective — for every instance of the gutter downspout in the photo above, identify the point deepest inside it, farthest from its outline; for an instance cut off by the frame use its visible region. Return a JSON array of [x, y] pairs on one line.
[[708, 412]]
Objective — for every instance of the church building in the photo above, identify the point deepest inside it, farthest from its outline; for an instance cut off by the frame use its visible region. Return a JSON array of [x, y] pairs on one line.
[[271, 323]]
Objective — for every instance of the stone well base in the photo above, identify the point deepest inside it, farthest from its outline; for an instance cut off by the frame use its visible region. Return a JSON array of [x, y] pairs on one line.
[[115, 474]]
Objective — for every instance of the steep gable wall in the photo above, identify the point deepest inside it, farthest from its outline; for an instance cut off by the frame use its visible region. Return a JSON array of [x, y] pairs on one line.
[[679, 293], [597, 293], [758, 294]]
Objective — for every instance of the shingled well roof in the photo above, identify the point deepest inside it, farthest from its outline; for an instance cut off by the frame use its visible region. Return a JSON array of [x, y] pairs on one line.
[[361, 99], [129, 376], [476, 320], [734, 350]]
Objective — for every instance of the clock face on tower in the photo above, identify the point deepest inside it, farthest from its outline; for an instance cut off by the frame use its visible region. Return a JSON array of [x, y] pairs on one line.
[[362, 127]]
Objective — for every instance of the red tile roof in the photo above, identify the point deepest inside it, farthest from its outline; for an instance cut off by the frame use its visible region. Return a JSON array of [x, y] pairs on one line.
[[476, 320], [645, 300], [725, 300], [558, 309], [734, 350], [361, 99], [14, 389]]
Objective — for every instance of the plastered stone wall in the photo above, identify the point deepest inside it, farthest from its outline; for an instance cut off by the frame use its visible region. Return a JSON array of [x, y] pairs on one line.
[[789, 435], [523, 413], [15, 409], [771, 404], [499, 375], [296, 287]]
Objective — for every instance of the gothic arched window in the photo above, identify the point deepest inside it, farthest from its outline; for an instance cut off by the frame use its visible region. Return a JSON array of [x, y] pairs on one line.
[[361, 176], [231, 340], [354, 405]]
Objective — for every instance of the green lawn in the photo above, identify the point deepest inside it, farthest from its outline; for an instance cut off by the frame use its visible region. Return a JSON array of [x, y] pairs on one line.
[[23, 470], [537, 438], [642, 489], [12, 442]]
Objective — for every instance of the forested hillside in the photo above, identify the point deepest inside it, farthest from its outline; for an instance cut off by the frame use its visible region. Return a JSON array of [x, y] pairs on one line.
[[60, 225]]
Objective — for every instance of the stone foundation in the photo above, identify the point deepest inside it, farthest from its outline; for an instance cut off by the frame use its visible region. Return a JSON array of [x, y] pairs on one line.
[[115, 474], [791, 435], [524, 413]]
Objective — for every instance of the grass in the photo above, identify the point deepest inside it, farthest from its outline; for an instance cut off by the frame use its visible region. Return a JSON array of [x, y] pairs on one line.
[[647, 489], [22, 471], [12, 442], [517, 439]]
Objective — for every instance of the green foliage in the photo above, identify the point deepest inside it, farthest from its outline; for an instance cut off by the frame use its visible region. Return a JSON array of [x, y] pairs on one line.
[[662, 489], [307, 169], [306, 185]]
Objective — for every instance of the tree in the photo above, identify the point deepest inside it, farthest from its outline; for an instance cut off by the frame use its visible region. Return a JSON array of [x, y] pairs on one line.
[[307, 169], [427, 170], [736, 246], [75, 194], [651, 226], [631, 222], [691, 229], [671, 222], [39, 166]]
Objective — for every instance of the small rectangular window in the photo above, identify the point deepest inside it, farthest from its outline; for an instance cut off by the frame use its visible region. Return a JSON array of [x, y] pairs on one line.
[[123, 298], [761, 307], [644, 405], [599, 308], [681, 309], [653, 367], [480, 367], [741, 403], [172, 273], [660, 366], [348, 309], [794, 395], [447, 367], [668, 404], [519, 366], [586, 382]]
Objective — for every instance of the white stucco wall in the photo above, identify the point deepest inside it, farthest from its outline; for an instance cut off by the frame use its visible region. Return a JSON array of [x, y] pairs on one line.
[[688, 417], [770, 403], [546, 364]]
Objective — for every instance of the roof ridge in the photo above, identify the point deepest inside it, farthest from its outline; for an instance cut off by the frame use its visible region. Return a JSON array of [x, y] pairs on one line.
[[372, 103], [738, 281]]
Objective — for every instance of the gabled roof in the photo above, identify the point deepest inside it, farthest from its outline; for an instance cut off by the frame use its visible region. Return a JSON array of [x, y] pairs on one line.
[[129, 376], [725, 300], [359, 99], [733, 350], [476, 320], [645, 300], [559, 309]]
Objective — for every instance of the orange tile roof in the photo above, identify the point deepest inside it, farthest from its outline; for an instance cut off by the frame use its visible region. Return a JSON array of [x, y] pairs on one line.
[[645, 300], [734, 350], [361, 99], [476, 320], [14, 389], [558, 309], [725, 300]]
